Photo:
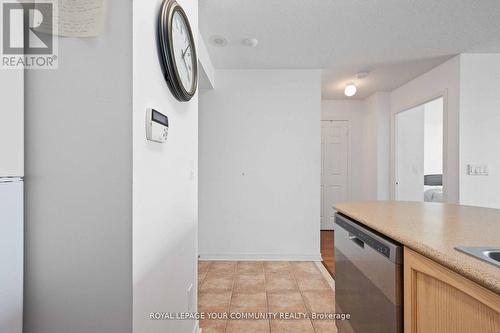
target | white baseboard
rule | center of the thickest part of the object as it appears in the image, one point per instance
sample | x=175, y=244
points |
x=197, y=328
x=259, y=257
x=326, y=275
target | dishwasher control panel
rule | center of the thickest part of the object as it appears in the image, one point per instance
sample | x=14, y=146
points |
x=363, y=237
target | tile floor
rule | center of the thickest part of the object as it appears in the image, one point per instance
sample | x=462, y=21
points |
x=278, y=286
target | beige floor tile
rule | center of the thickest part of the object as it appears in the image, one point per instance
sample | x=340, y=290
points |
x=214, y=301
x=305, y=267
x=201, y=277
x=324, y=326
x=280, y=281
x=244, y=302
x=223, y=267
x=215, y=281
x=246, y=267
x=203, y=266
x=276, y=266
x=226, y=286
x=319, y=301
x=303, y=275
x=289, y=301
x=213, y=326
x=250, y=283
x=291, y=326
x=247, y=326
x=313, y=283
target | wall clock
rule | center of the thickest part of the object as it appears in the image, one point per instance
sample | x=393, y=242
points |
x=177, y=51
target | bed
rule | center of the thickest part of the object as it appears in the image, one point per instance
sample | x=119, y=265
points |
x=433, y=188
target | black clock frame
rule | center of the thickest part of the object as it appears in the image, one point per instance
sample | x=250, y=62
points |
x=166, y=52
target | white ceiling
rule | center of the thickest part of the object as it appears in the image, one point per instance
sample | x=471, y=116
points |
x=396, y=40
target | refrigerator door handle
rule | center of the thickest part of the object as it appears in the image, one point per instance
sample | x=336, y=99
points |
x=11, y=179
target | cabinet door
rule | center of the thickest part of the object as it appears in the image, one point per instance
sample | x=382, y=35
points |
x=437, y=300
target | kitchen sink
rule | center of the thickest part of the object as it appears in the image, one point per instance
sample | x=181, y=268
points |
x=488, y=254
x=495, y=255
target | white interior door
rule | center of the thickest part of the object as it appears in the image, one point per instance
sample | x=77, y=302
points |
x=334, y=168
x=410, y=155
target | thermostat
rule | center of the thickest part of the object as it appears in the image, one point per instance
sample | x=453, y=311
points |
x=156, y=126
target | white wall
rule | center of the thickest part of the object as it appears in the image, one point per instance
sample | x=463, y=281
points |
x=78, y=186
x=442, y=80
x=468, y=85
x=433, y=137
x=259, y=194
x=409, y=154
x=206, y=69
x=369, y=149
x=353, y=112
x=479, y=128
x=376, y=147
x=369, y=120
x=164, y=187
x=111, y=219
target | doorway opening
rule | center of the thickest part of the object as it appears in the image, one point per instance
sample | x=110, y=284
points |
x=335, y=181
x=419, y=159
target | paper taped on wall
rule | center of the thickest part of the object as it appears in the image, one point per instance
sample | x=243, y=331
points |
x=77, y=18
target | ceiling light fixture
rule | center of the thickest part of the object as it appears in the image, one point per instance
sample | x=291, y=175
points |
x=218, y=41
x=350, y=90
x=250, y=42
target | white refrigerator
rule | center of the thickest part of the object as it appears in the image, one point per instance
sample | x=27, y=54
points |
x=11, y=200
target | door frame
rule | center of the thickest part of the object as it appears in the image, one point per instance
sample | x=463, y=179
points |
x=444, y=95
x=349, y=154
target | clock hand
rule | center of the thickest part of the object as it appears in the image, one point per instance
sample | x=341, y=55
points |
x=186, y=65
x=184, y=52
x=187, y=69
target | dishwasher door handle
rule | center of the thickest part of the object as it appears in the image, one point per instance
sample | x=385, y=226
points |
x=356, y=240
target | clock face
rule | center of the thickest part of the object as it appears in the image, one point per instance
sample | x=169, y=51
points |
x=177, y=51
x=182, y=45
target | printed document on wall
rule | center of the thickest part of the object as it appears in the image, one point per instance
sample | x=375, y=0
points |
x=77, y=18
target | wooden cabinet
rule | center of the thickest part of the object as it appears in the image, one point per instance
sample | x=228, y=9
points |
x=438, y=300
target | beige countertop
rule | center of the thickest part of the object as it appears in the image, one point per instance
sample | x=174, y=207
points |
x=434, y=230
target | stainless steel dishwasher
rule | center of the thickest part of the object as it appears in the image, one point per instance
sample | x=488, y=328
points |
x=368, y=279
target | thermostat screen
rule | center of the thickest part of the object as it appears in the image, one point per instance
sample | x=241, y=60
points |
x=159, y=118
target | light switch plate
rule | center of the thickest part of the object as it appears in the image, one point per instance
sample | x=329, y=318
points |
x=477, y=170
